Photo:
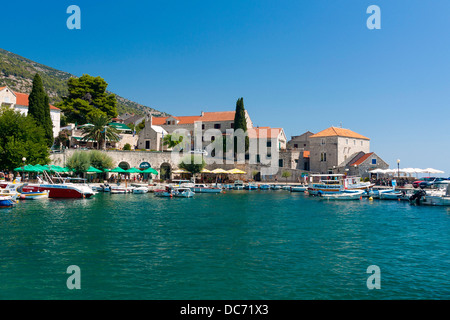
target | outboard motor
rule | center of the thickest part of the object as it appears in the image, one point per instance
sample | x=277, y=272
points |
x=417, y=196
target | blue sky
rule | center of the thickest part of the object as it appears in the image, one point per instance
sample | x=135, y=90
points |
x=300, y=65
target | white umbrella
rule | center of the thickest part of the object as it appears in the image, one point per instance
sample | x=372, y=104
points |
x=431, y=170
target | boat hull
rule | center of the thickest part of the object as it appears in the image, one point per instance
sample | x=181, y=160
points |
x=435, y=201
x=206, y=190
x=6, y=202
x=59, y=191
x=345, y=195
x=298, y=189
x=34, y=195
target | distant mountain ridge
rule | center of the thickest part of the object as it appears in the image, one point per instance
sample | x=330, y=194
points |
x=17, y=73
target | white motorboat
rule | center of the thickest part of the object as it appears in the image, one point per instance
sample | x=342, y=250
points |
x=118, y=189
x=203, y=188
x=183, y=192
x=11, y=190
x=34, y=195
x=344, y=195
x=375, y=194
x=179, y=192
x=298, y=188
x=438, y=197
x=251, y=186
x=335, y=183
x=393, y=195
x=238, y=185
x=140, y=190
x=275, y=187
x=68, y=188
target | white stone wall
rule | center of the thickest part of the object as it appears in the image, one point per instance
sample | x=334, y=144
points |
x=56, y=120
x=7, y=97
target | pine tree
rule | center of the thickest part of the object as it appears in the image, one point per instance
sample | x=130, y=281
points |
x=39, y=108
x=240, y=122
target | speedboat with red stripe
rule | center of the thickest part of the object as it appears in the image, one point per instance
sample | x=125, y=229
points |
x=67, y=189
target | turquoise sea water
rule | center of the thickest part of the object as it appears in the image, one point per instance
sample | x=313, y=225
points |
x=239, y=245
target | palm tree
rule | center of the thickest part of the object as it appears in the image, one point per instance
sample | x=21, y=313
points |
x=100, y=131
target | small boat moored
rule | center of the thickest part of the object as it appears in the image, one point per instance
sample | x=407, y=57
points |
x=344, y=195
x=34, y=195
x=140, y=190
x=238, y=185
x=7, y=202
x=298, y=188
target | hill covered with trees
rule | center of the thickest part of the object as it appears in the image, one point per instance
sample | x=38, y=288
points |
x=18, y=72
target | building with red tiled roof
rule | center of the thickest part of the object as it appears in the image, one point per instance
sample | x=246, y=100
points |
x=334, y=150
x=221, y=120
x=338, y=132
x=19, y=101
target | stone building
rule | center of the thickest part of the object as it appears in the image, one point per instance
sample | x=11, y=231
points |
x=150, y=138
x=362, y=164
x=126, y=136
x=334, y=150
x=19, y=101
x=334, y=147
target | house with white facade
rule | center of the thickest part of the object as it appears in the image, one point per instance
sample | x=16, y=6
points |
x=19, y=101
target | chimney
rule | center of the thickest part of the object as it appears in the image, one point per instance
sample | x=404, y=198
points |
x=202, y=113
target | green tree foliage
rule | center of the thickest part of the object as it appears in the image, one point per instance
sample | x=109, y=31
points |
x=100, y=160
x=79, y=162
x=87, y=97
x=240, y=122
x=140, y=126
x=172, y=140
x=286, y=174
x=127, y=147
x=39, y=108
x=21, y=137
x=99, y=129
x=192, y=163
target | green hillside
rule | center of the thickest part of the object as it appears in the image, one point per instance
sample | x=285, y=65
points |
x=17, y=73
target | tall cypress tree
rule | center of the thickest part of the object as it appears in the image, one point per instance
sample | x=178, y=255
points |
x=39, y=108
x=240, y=122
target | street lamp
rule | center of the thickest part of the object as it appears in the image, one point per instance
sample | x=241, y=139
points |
x=23, y=168
x=398, y=168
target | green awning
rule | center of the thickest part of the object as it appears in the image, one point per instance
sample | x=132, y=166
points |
x=119, y=126
x=93, y=170
x=81, y=139
x=150, y=170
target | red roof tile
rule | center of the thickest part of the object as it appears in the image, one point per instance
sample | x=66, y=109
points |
x=361, y=160
x=22, y=99
x=217, y=116
x=267, y=132
x=340, y=132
